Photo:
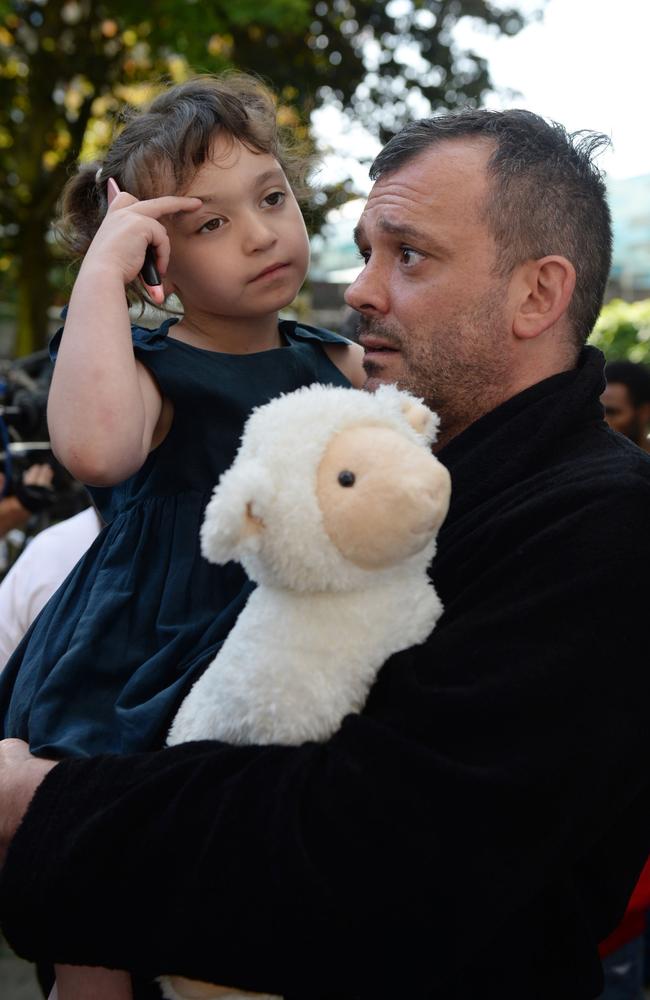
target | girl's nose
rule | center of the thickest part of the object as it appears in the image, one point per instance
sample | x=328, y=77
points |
x=259, y=236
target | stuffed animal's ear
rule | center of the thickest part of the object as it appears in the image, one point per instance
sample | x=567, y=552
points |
x=234, y=518
x=421, y=418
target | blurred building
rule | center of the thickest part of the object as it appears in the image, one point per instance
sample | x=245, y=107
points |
x=629, y=201
x=335, y=263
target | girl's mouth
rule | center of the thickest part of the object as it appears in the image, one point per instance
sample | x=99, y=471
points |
x=271, y=270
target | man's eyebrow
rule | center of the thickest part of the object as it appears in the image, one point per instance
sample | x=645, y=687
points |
x=358, y=234
x=402, y=230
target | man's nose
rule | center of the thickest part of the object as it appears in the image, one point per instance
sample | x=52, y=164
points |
x=369, y=292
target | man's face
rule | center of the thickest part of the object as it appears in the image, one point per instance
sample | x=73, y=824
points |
x=621, y=414
x=434, y=312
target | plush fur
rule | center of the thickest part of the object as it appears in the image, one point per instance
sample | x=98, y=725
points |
x=341, y=566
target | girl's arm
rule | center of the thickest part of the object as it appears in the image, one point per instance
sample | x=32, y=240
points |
x=104, y=406
x=348, y=358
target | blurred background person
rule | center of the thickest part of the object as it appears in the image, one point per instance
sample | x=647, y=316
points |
x=623, y=951
x=627, y=410
x=627, y=400
x=21, y=499
x=39, y=571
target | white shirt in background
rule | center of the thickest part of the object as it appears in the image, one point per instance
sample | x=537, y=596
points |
x=38, y=572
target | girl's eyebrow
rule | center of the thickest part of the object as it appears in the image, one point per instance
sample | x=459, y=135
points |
x=276, y=175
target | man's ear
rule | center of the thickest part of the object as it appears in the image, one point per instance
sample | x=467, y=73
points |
x=543, y=290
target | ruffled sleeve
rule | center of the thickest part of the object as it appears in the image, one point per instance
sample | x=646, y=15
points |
x=144, y=339
x=301, y=331
x=152, y=340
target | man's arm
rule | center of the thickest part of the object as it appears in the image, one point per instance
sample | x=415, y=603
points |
x=491, y=767
x=20, y=776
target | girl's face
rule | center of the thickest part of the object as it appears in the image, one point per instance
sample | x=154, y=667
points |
x=244, y=253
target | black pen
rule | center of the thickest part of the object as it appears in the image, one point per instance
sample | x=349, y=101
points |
x=149, y=272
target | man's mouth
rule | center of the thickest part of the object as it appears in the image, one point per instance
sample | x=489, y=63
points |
x=376, y=345
x=270, y=271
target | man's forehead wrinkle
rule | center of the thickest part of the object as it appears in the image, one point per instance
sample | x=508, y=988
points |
x=428, y=176
x=395, y=213
x=397, y=206
x=399, y=189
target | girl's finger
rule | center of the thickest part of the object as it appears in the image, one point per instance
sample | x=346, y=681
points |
x=155, y=292
x=167, y=205
x=118, y=199
x=112, y=191
x=153, y=207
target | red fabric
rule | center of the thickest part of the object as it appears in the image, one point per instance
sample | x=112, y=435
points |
x=633, y=922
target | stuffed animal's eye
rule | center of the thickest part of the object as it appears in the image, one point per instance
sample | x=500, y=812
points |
x=347, y=478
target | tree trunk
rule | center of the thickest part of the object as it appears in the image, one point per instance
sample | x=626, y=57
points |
x=33, y=290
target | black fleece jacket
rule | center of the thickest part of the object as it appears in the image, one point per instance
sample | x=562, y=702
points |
x=474, y=832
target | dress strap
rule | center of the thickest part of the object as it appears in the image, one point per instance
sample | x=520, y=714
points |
x=293, y=330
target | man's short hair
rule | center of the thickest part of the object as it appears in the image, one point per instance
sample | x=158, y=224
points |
x=635, y=377
x=547, y=196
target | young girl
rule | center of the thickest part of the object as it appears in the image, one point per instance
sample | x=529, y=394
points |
x=150, y=418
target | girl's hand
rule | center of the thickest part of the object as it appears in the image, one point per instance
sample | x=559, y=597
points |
x=128, y=228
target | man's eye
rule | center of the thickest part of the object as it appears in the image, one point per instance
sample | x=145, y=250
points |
x=275, y=198
x=364, y=254
x=410, y=256
x=211, y=225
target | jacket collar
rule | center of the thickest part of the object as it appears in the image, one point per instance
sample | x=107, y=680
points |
x=513, y=441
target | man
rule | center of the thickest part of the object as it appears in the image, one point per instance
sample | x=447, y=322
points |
x=627, y=400
x=30, y=495
x=39, y=570
x=477, y=829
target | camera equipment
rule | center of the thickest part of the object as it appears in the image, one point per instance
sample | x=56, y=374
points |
x=24, y=386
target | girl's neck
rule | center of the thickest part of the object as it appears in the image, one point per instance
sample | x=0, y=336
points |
x=229, y=335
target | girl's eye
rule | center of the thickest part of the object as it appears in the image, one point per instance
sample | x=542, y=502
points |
x=211, y=225
x=275, y=198
x=409, y=256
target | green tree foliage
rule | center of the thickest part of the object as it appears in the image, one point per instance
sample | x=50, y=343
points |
x=623, y=331
x=377, y=59
x=67, y=66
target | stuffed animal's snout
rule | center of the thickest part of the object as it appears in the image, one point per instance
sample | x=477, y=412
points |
x=382, y=497
x=425, y=496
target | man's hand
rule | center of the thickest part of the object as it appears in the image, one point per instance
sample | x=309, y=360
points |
x=20, y=776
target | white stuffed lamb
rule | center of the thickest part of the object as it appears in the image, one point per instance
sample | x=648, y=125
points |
x=332, y=505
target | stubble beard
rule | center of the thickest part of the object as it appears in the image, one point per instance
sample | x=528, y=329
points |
x=461, y=372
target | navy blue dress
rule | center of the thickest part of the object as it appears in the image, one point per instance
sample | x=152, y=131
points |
x=107, y=662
